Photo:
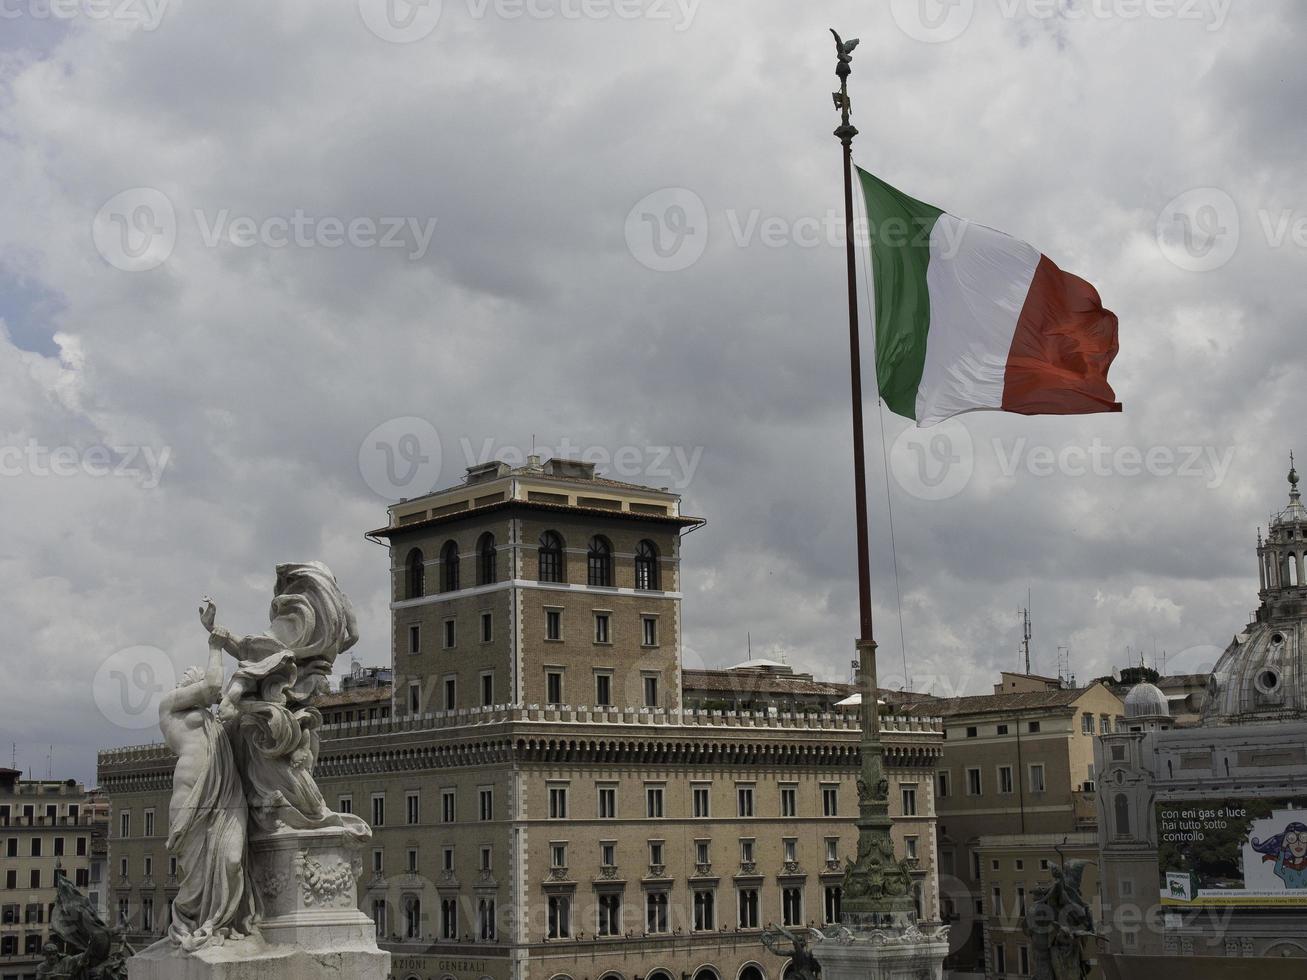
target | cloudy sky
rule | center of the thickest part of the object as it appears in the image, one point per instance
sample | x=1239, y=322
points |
x=244, y=244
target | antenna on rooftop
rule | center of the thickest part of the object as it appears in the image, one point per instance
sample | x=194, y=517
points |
x=1064, y=674
x=1025, y=631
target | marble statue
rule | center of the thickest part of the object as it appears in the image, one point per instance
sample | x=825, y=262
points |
x=267, y=871
x=1059, y=923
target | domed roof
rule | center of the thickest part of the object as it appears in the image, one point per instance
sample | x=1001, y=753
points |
x=1146, y=701
x=1260, y=674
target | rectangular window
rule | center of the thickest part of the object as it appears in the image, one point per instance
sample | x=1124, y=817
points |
x=746, y=850
x=942, y=780
x=704, y=911
x=909, y=794
x=607, y=802
x=149, y=823
x=486, y=919
x=1037, y=777
x=449, y=918
x=834, y=899
x=553, y=624
x=748, y=908
x=610, y=914
x=1087, y=724
x=414, y=697
x=649, y=631
x=830, y=801
x=790, y=850
x=789, y=801
x=792, y=906
x=415, y=638
x=653, y=800
x=448, y=806
x=36, y=847
x=1005, y=779
x=411, y=808
x=972, y=731
x=560, y=917
x=125, y=824
x=996, y=901
x=656, y=853
x=650, y=690
x=701, y=797
x=910, y=847
x=1002, y=729
x=345, y=804
x=701, y=852
x=656, y=912
x=487, y=627
x=1000, y=958
x=378, y=810
x=447, y=858
x=604, y=690
x=554, y=686
x=451, y=693
x=602, y=628
x=487, y=689
x=832, y=850
x=973, y=782
x=744, y=800
x=487, y=857
x=608, y=854
x=486, y=803
x=558, y=854
x=557, y=802
x=1033, y=728
x=449, y=634
x=412, y=860
x=81, y=847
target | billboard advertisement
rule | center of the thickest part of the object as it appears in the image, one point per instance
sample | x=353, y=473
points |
x=1237, y=852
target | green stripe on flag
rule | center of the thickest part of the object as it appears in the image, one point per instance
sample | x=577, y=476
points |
x=900, y=253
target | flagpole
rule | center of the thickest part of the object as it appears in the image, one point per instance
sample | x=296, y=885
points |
x=877, y=889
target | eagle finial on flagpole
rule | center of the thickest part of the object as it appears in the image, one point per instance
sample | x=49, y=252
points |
x=843, y=67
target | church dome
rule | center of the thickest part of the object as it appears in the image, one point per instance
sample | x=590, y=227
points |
x=1146, y=701
x=1262, y=675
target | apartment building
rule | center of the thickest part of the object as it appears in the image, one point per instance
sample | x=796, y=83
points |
x=48, y=829
x=1017, y=772
x=545, y=805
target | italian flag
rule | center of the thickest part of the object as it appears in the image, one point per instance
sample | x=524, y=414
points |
x=969, y=319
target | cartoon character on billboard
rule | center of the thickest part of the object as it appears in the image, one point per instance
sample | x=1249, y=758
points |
x=1288, y=849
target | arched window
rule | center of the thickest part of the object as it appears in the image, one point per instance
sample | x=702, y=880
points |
x=600, y=562
x=1121, y=809
x=752, y=972
x=646, y=565
x=551, y=558
x=486, y=559
x=449, y=567
x=415, y=574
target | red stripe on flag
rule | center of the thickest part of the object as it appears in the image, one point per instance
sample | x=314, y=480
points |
x=1062, y=348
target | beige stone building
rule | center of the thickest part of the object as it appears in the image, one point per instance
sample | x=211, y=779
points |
x=47, y=828
x=543, y=805
x=1018, y=766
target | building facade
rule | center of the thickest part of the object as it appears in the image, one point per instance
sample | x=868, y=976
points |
x=48, y=828
x=543, y=805
x=1246, y=759
x=1017, y=772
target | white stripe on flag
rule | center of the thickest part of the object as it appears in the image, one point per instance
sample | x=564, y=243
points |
x=978, y=279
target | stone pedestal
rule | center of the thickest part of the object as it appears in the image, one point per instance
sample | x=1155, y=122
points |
x=311, y=926
x=883, y=954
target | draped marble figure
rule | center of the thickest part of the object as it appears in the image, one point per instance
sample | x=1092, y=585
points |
x=246, y=751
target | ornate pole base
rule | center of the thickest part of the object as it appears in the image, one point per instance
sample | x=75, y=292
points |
x=896, y=953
